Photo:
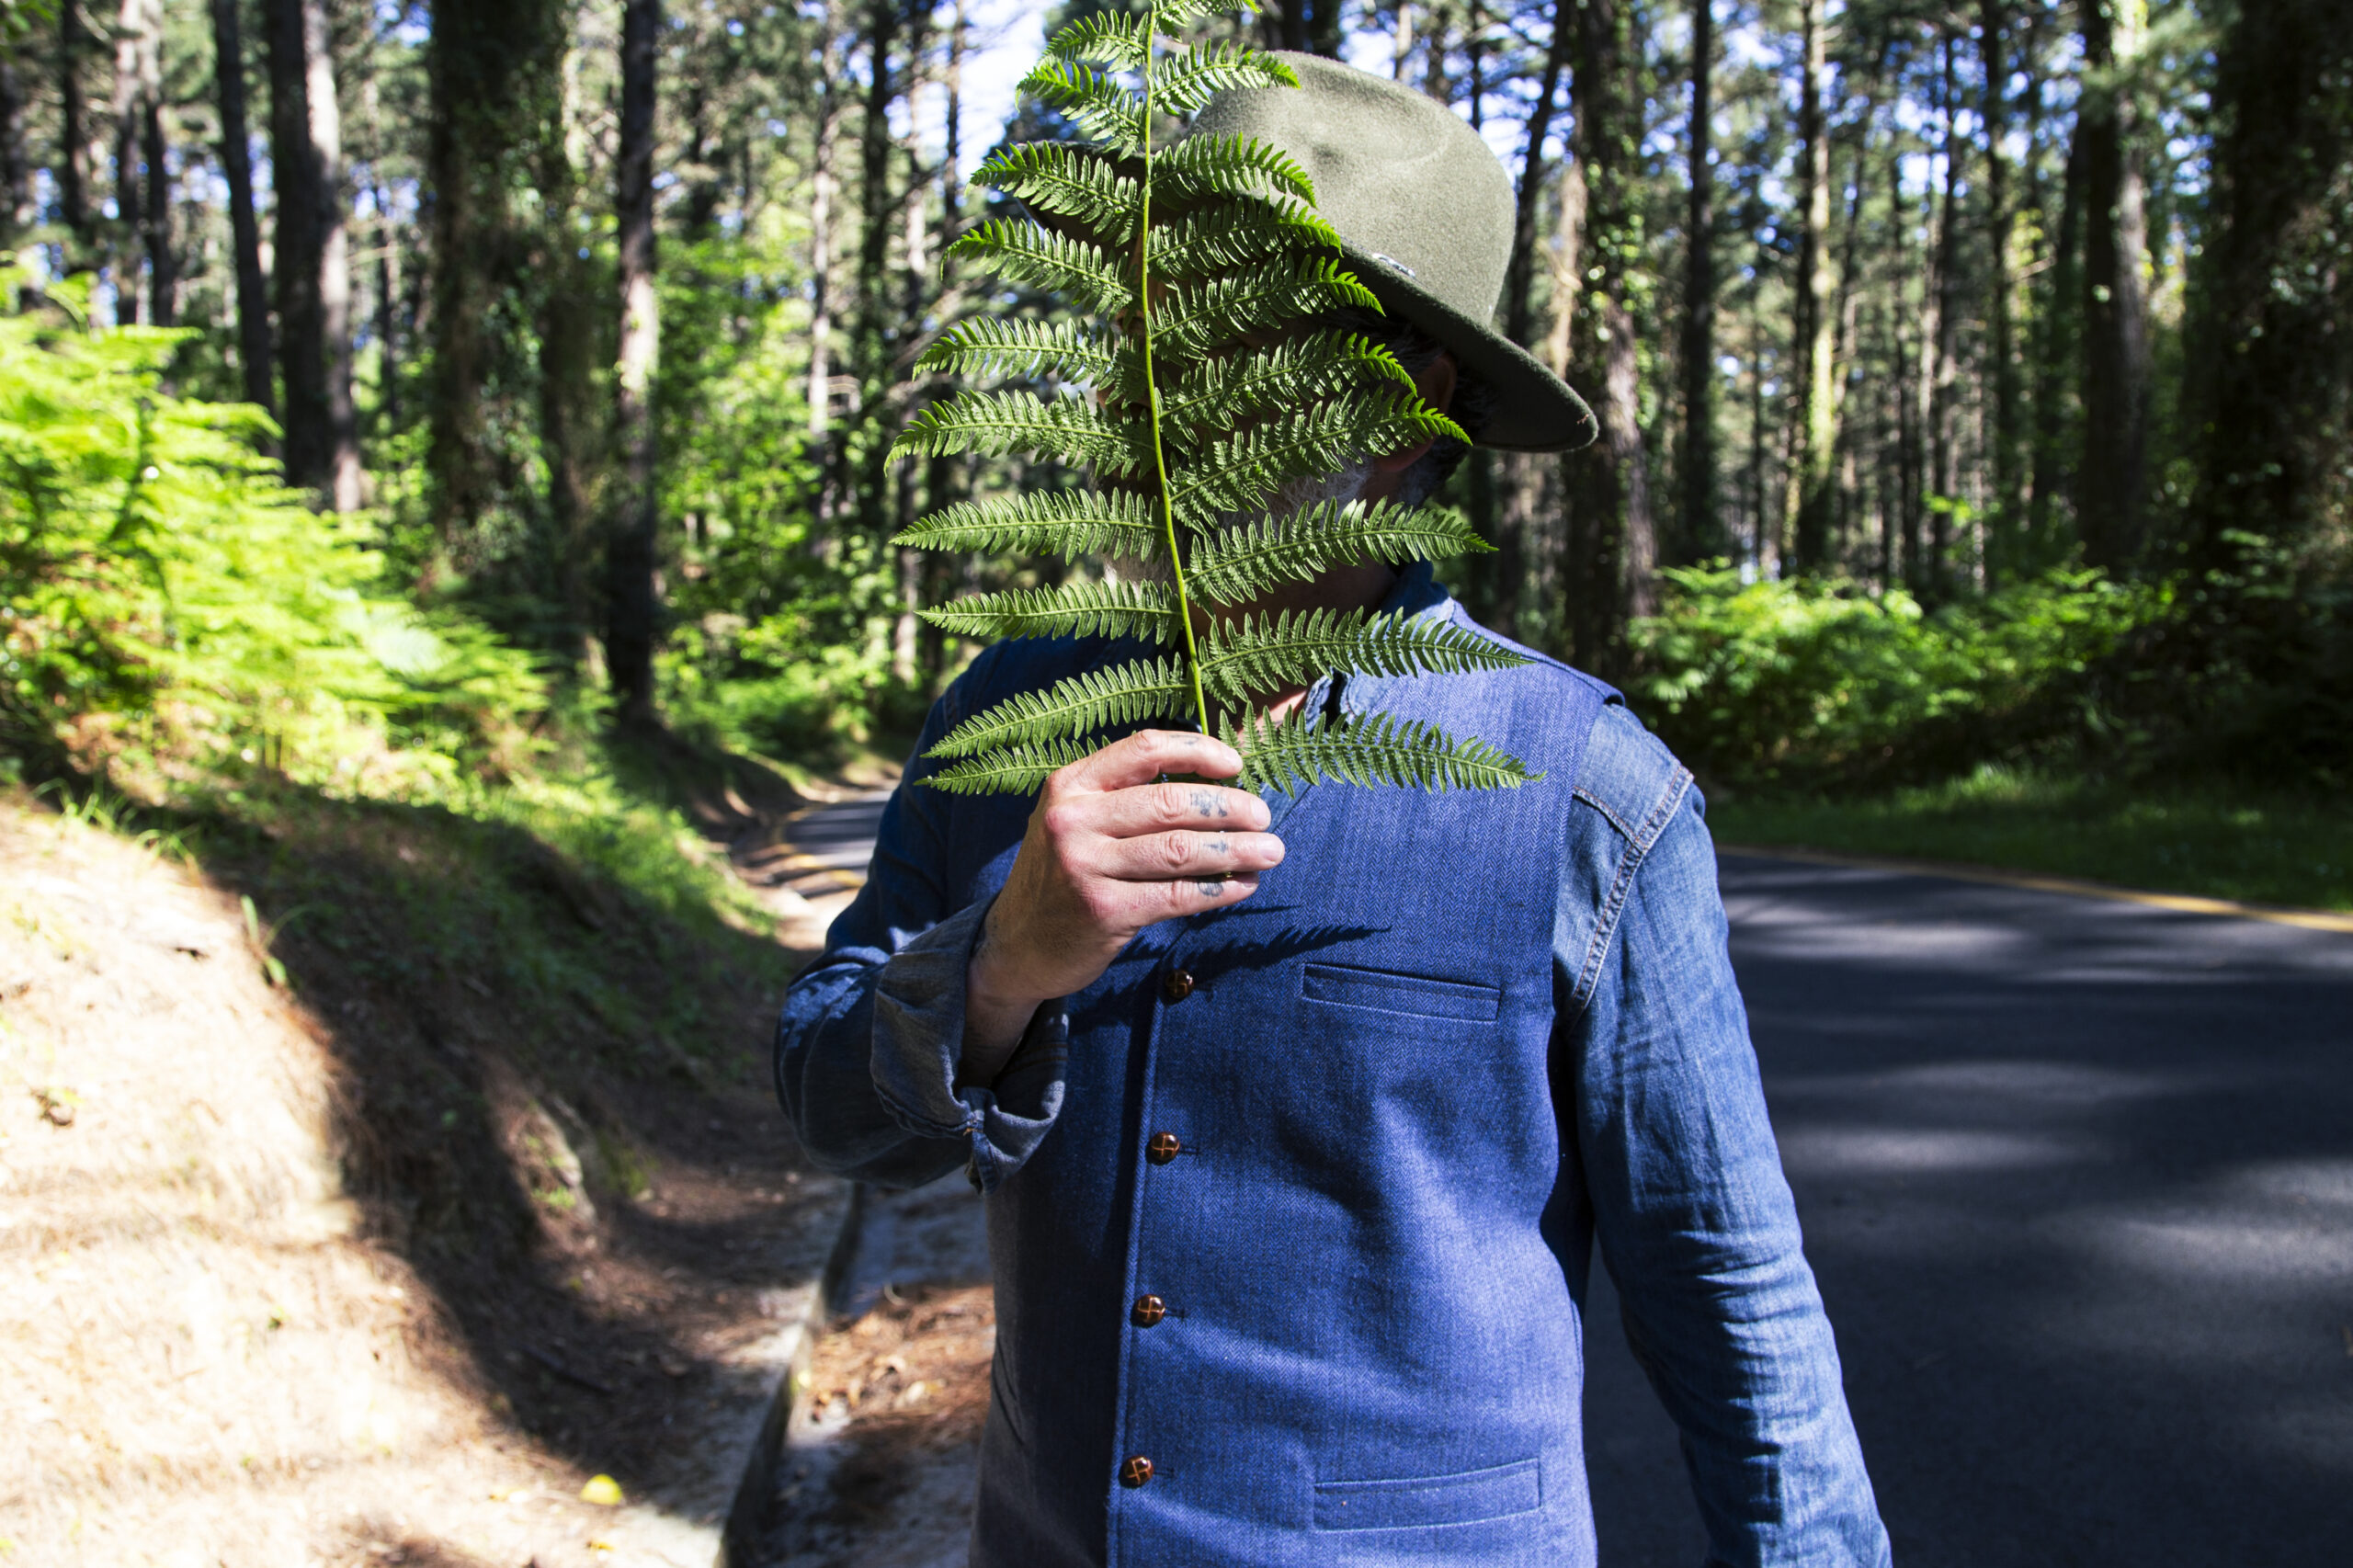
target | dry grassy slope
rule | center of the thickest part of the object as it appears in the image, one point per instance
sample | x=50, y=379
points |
x=213, y=1355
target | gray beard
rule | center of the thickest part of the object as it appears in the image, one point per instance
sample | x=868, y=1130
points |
x=1293, y=496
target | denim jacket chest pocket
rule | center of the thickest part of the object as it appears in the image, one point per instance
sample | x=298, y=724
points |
x=1405, y=995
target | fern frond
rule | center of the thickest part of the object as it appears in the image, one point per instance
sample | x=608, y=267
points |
x=1000, y=423
x=1233, y=564
x=1199, y=317
x=992, y=346
x=1225, y=392
x=1079, y=183
x=1176, y=13
x=1077, y=610
x=1238, y=472
x=1027, y=254
x=1218, y=239
x=1202, y=166
x=1123, y=41
x=1184, y=81
x=1268, y=654
x=1068, y=523
x=1155, y=688
x=1375, y=749
x=1111, y=115
x=1016, y=770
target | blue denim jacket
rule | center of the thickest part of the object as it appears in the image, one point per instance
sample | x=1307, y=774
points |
x=1637, y=1123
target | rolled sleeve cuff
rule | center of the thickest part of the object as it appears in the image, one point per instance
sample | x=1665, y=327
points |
x=919, y=1041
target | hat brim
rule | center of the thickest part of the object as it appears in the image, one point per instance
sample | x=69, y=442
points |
x=1535, y=411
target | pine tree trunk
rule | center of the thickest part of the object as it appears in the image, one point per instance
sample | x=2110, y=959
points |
x=567, y=353
x=1701, y=535
x=130, y=23
x=245, y=229
x=824, y=188
x=872, y=337
x=15, y=174
x=635, y=594
x=309, y=259
x=1943, y=383
x=1612, y=548
x=2111, y=482
x=2055, y=357
x=74, y=141
x=2008, y=502
x=163, y=262
x=2272, y=352
x=1814, y=431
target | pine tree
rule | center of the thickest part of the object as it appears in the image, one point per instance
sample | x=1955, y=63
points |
x=1193, y=268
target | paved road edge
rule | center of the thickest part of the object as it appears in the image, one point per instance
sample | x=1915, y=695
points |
x=1961, y=871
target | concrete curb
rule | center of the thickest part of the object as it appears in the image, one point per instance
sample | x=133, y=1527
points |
x=2036, y=881
x=739, y=1538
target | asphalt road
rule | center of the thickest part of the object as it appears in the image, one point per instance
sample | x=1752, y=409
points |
x=2076, y=1176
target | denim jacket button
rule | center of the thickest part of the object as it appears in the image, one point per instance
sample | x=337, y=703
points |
x=1136, y=1472
x=1149, y=1310
x=1176, y=984
x=1162, y=1148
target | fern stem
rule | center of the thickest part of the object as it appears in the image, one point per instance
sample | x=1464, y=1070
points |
x=1151, y=386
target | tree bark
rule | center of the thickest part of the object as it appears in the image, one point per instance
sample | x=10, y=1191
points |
x=163, y=262
x=2002, y=554
x=129, y=30
x=567, y=353
x=311, y=261
x=2272, y=352
x=1521, y=480
x=245, y=229
x=15, y=174
x=2111, y=482
x=1942, y=385
x=1701, y=536
x=74, y=141
x=1814, y=431
x=634, y=591
x=1613, y=551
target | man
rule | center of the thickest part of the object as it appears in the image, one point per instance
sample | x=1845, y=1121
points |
x=1299, y=1119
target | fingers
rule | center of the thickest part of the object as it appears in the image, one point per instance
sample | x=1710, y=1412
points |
x=1155, y=808
x=1143, y=756
x=1183, y=855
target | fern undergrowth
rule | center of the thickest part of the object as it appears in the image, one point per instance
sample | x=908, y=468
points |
x=1196, y=267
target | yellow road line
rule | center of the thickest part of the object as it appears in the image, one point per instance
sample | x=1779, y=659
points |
x=2184, y=903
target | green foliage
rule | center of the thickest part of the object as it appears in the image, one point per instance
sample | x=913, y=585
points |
x=162, y=598
x=1813, y=682
x=1193, y=267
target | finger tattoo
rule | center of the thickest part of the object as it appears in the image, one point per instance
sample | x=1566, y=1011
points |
x=1210, y=803
x=1211, y=886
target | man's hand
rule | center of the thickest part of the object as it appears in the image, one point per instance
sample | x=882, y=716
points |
x=1108, y=852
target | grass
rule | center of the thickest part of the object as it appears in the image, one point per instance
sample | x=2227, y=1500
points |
x=2277, y=846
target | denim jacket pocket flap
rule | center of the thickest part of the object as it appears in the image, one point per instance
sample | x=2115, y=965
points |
x=1412, y=994
x=1430, y=1499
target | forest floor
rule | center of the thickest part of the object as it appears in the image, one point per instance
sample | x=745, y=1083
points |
x=387, y=1185
x=2281, y=849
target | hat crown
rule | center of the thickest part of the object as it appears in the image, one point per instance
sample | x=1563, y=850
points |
x=1402, y=177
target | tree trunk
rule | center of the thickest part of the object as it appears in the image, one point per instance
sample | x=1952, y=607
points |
x=872, y=337
x=1701, y=536
x=1943, y=384
x=311, y=261
x=244, y=230
x=162, y=263
x=1520, y=480
x=2273, y=354
x=567, y=356
x=635, y=594
x=129, y=30
x=2008, y=502
x=15, y=173
x=2056, y=348
x=74, y=141
x=1612, y=548
x=1814, y=431
x=2111, y=482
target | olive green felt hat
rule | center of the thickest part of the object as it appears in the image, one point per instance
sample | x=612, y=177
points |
x=1425, y=214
